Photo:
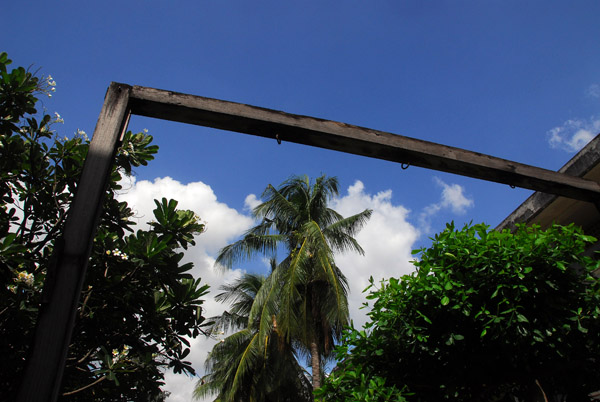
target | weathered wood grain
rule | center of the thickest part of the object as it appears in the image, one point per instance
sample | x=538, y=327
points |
x=356, y=140
x=45, y=366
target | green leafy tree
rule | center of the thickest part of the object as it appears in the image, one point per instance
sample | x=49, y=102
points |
x=139, y=303
x=306, y=292
x=238, y=367
x=487, y=316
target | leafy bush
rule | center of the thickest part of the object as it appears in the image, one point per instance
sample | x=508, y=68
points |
x=486, y=316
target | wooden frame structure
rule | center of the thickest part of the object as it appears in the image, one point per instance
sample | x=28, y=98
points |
x=62, y=289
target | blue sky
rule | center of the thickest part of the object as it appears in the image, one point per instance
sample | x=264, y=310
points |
x=517, y=80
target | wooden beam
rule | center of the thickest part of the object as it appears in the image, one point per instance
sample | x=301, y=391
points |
x=62, y=288
x=343, y=137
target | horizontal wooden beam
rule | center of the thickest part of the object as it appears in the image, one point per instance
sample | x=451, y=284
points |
x=343, y=137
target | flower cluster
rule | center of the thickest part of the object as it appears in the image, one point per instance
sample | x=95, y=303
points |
x=117, y=355
x=47, y=86
x=128, y=150
x=51, y=83
x=24, y=277
x=117, y=253
x=81, y=134
x=57, y=118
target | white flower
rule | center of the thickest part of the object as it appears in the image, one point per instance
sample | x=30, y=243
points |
x=145, y=131
x=24, y=277
x=82, y=134
x=117, y=253
x=58, y=118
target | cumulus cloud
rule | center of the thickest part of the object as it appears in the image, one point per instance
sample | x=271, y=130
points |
x=573, y=134
x=387, y=240
x=223, y=225
x=452, y=198
x=222, y=222
x=251, y=202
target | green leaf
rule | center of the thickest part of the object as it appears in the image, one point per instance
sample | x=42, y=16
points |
x=522, y=318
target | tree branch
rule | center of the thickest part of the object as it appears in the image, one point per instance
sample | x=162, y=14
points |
x=85, y=387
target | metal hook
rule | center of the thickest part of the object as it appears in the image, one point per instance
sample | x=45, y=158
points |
x=278, y=139
x=405, y=166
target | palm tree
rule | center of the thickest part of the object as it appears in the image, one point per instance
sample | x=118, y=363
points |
x=240, y=368
x=305, y=297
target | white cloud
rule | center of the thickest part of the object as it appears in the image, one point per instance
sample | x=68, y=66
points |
x=573, y=134
x=223, y=224
x=387, y=240
x=593, y=91
x=452, y=198
x=251, y=202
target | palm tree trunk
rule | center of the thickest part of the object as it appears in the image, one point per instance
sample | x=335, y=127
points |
x=315, y=360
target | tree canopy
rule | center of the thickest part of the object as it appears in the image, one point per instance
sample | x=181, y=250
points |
x=239, y=367
x=302, y=304
x=139, y=303
x=487, y=316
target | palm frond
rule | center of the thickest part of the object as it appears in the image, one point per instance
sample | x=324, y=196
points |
x=324, y=258
x=240, y=295
x=302, y=301
x=293, y=276
x=245, y=248
x=221, y=364
x=266, y=306
x=226, y=322
x=247, y=361
x=340, y=234
x=276, y=207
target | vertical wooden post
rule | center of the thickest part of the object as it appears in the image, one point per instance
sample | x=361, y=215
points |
x=62, y=288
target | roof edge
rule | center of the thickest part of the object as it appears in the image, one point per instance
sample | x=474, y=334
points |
x=579, y=165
